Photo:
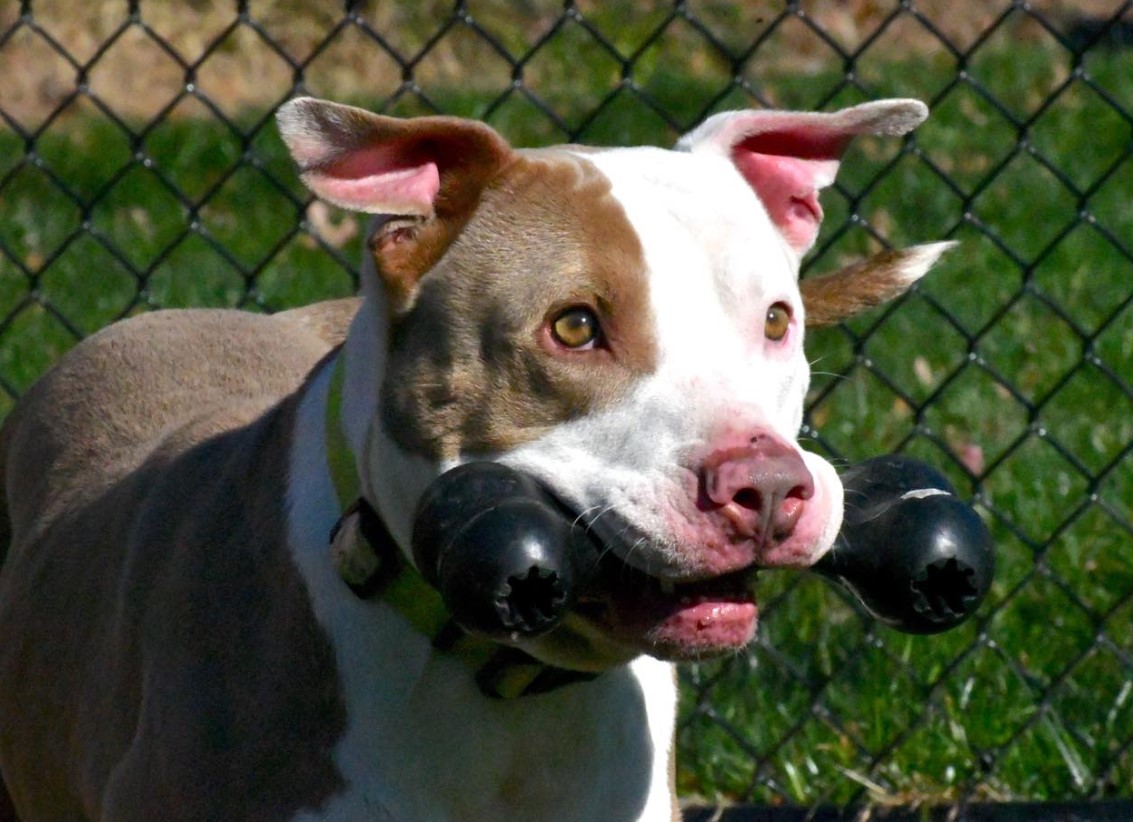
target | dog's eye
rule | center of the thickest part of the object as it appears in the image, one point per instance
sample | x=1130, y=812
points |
x=777, y=322
x=576, y=328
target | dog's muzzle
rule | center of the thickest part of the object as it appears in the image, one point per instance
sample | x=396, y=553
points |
x=510, y=561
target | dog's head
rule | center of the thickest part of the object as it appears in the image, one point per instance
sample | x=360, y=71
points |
x=625, y=325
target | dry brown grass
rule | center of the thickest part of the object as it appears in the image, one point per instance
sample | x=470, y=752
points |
x=137, y=77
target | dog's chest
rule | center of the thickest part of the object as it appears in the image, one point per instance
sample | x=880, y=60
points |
x=588, y=752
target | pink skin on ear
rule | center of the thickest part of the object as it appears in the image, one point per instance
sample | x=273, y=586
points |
x=787, y=169
x=377, y=179
x=786, y=157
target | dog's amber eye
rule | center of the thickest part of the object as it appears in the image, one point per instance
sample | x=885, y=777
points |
x=777, y=322
x=576, y=327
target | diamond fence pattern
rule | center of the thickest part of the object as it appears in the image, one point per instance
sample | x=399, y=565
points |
x=139, y=169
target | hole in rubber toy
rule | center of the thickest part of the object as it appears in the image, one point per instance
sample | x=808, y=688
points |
x=945, y=590
x=533, y=601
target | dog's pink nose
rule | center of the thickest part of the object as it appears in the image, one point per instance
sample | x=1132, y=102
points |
x=760, y=488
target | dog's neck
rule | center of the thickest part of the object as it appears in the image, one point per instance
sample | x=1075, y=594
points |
x=365, y=357
x=404, y=475
x=375, y=563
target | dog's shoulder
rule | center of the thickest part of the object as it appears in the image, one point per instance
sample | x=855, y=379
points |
x=163, y=380
x=328, y=320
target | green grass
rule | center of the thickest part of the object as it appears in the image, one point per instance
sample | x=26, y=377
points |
x=1031, y=699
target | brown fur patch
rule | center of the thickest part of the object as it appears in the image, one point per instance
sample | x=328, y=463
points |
x=472, y=369
x=842, y=294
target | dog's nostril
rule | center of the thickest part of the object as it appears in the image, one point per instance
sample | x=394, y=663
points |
x=748, y=498
x=786, y=517
x=803, y=492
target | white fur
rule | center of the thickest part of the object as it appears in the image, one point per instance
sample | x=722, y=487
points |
x=923, y=257
x=721, y=131
x=392, y=479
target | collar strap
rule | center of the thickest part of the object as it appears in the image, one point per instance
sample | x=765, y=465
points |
x=372, y=565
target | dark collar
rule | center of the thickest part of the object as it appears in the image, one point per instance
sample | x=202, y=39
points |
x=370, y=562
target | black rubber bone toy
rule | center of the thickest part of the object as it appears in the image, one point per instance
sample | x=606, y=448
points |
x=912, y=553
x=509, y=561
x=506, y=559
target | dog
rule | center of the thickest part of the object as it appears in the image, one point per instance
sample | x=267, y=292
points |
x=625, y=325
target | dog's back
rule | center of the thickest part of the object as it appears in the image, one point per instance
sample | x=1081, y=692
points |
x=122, y=430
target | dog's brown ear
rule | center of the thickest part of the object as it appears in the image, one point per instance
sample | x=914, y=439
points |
x=831, y=298
x=425, y=174
x=788, y=156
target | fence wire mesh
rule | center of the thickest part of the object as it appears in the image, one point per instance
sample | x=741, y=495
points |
x=139, y=168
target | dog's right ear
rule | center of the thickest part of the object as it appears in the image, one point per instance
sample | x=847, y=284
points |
x=425, y=174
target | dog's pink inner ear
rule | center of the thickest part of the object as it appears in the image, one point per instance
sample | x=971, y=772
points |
x=786, y=169
x=379, y=179
x=422, y=167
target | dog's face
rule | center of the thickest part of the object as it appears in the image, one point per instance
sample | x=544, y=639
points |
x=625, y=325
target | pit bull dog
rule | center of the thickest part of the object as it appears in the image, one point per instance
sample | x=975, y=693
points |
x=178, y=638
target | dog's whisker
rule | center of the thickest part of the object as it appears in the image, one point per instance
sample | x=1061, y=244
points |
x=593, y=520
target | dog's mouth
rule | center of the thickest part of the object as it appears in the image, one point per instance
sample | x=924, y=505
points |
x=665, y=616
x=671, y=619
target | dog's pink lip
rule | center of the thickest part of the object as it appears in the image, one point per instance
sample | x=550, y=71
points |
x=675, y=619
x=704, y=628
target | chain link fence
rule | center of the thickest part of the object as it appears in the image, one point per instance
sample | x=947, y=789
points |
x=139, y=168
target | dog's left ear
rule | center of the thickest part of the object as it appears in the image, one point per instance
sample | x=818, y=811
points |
x=788, y=156
x=424, y=174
